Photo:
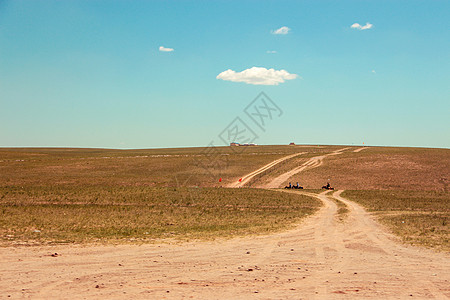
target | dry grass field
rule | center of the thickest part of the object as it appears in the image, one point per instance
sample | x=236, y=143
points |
x=153, y=167
x=384, y=168
x=156, y=224
x=78, y=195
x=418, y=217
x=407, y=189
x=98, y=195
x=56, y=214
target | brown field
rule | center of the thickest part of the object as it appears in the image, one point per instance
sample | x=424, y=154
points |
x=154, y=167
x=384, y=168
x=418, y=217
x=79, y=188
x=67, y=214
x=146, y=223
x=101, y=195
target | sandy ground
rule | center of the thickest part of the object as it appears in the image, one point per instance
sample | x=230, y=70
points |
x=321, y=258
x=359, y=149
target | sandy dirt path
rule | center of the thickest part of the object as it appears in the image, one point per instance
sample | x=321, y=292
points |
x=321, y=258
x=249, y=176
x=313, y=162
x=360, y=149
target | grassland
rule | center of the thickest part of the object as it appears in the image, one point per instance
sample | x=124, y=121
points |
x=78, y=195
x=285, y=166
x=418, y=217
x=65, y=214
x=154, y=167
x=383, y=168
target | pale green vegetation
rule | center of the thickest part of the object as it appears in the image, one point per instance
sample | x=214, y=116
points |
x=152, y=167
x=84, y=195
x=101, y=195
x=74, y=214
x=418, y=217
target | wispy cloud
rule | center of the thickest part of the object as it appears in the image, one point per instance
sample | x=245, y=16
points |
x=360, y=27
x=373, y=71
x=257, y=76
x=271, y=51
x=281, y=30
x=164, y=49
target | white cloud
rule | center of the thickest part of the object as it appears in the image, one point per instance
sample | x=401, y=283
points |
x=257, y=76
x=373, y=71
x=271, y=51
x=282, y=30
x=164, y=49
x=359, y=27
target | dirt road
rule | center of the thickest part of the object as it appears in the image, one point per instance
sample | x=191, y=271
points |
x=249, y=176
x=322, y=258
x=313, y=162
x=359, y=149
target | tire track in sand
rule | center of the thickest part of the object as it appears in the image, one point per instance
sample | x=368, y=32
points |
x=399, y=255
x=360, y=149
x=249, y=176
x=321, y=258
x=313, y=162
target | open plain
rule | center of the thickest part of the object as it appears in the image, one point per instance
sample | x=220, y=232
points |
x=159, y=224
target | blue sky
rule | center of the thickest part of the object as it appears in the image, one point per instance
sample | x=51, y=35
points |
x=91, y=73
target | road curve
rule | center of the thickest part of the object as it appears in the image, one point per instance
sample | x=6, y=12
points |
x=360, y=149
x=245, y=179
x=313, y=162
x=321, y=258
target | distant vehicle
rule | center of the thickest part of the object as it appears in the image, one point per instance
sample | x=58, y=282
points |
x=328, y=187
x=296, y=187
x=246, y=144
